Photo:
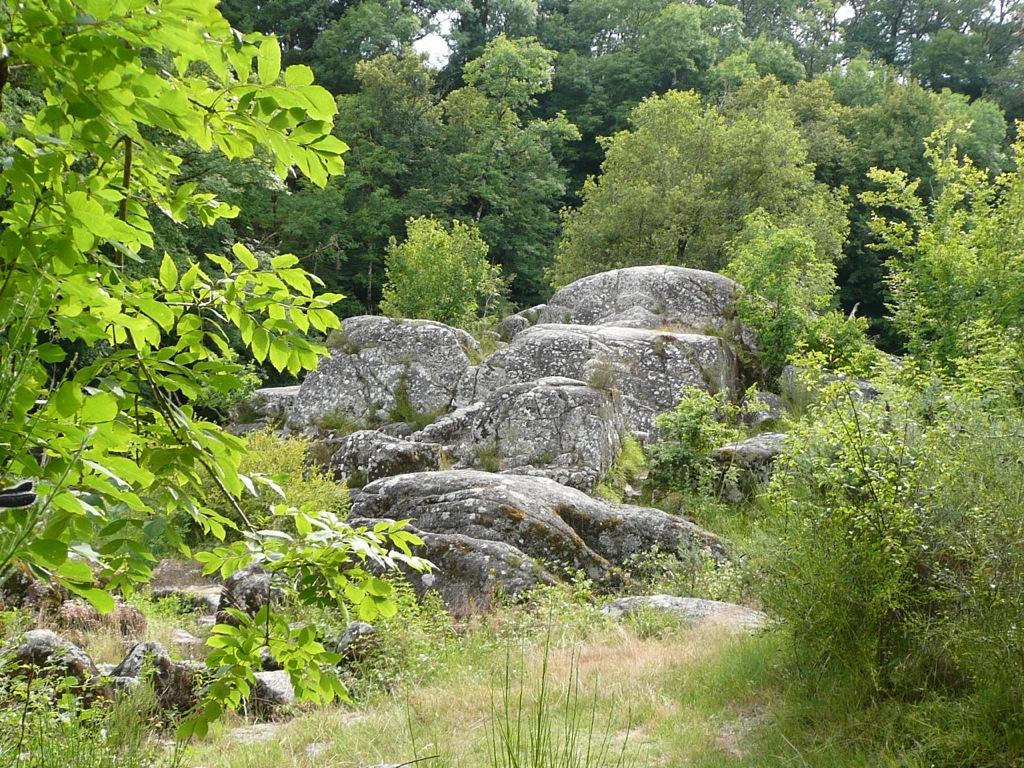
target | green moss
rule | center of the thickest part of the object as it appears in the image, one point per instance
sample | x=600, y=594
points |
x=405, y=412
x=629, y=469
x=488, y=459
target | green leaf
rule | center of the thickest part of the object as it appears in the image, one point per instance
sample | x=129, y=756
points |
x=99, y=409
x=269, y=60
x=298, y=75
x=100, y=600
x=67, y=399
x=279, y=354
x=50, y=353
x=245, y=256
x=168, y=273
x=51, y=552
x=75, y=570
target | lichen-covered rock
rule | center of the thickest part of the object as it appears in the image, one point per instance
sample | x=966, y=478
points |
x=691, y=610
x=173, y=682
x=554, y=427
x=369, y=455
x=654, y=297
x=247, y=590
x=763, y=408
x=45, y=651
x=747, y=464
x=648, y=367
x=559, y=526
x=515, y=510
x=379, y=367
x=21, y=590
x=473, y=575
x=184, y=581
x=267, y=408
x=272, y=691
x=356, y=640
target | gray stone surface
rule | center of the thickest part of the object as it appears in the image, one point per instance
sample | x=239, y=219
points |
x=472, y=575
x=43, y=649
x=654, y=297
x=184, y=581
x=272, y=691
x=370, y=455
x=747, y=464
x=691, y=610
x=246, y=590
x=554, y=427
x=173, y=682
x=268, y=407
x=559, y=526
x=647, y=367
x=374, y=359
x=356, y=639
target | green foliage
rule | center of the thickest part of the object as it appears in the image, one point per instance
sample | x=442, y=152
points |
x=272, y=464
x=105, y=355
x=44, y=724
x=628, y=469
x=554, y=728
x=326, y=564
x=899, y=522
x=115, y=423
x=786, y=286
x=676, y=188
x=957, y=270
x=789, y=289
x=700, y=423
x=440, y=275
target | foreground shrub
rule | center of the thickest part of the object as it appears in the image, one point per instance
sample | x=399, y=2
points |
x=900, y=555
x=279, y=467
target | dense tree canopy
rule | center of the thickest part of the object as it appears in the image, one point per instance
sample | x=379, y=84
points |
x=676, y=189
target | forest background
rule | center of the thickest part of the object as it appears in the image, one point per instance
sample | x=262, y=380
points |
x=534, y=99
x=866, y=143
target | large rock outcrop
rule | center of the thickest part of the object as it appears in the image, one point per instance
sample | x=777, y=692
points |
x=553, y=527
x=689, y=301
x=472, y=575
x=379, y=368
x=647, y=367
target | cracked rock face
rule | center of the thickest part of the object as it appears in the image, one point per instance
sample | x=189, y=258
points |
x=552, y=528
x=648, y=368
x=654, y=297
x=379, y=364
x=554, y=427
x=473, y=575
x=372, y=455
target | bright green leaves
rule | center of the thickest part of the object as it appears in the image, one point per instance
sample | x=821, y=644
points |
x=104, y=353
x=168, y=274
x=440, y=275
x=269, y=59
x=324, y=564
x=956, y=274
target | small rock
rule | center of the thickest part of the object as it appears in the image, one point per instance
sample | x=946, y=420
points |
x=49, y=654
x=370, y=455
x=181, y=637
x=248, y=590
x=747, y=464
x=273, y=690
x=689, y=609
x=174, y=682
x=356, y=639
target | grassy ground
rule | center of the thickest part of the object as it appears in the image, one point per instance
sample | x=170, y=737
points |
x=677, y=697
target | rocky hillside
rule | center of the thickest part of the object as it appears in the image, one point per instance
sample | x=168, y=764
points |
x=493, y=455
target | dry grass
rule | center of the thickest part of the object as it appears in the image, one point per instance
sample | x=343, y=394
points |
x=631, y=683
